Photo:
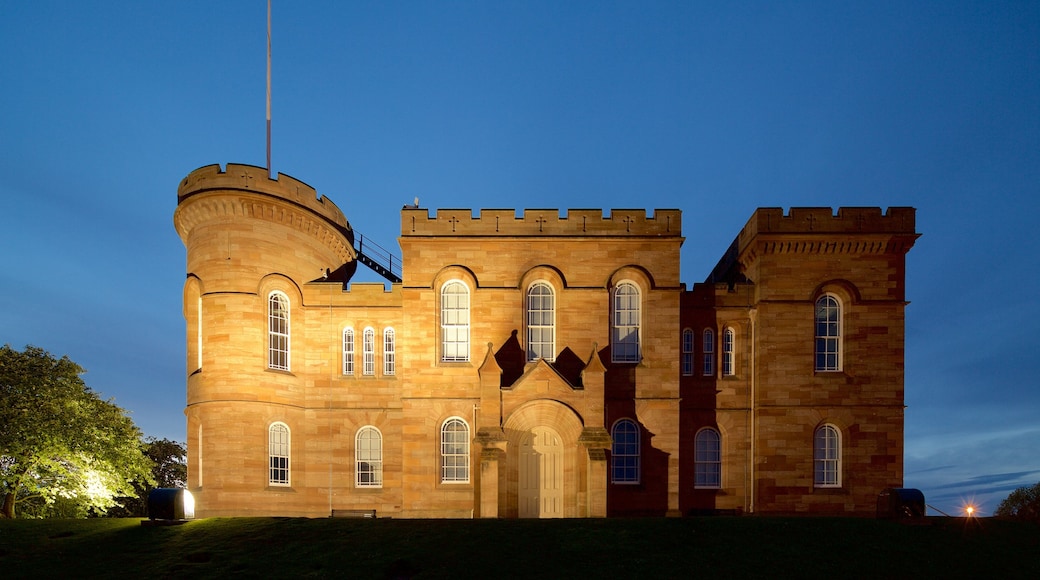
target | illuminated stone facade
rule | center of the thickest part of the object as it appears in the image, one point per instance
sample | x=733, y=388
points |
x=535, y=365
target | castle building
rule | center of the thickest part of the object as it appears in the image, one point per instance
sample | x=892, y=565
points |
x=536, y=365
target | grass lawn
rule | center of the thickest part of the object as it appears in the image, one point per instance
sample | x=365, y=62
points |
x=628, y=548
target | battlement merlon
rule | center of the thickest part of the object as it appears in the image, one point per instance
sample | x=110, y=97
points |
x=249, y=178
x=823, y=220
x=541, y=223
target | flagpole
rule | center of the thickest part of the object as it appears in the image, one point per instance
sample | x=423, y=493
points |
x=268, y=88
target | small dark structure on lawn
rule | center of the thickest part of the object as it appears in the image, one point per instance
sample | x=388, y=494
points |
x=171, y=503
x=897, y=503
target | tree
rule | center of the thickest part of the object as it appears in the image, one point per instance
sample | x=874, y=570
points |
x=1023, y=504
x=169, y=469
x=63, y=449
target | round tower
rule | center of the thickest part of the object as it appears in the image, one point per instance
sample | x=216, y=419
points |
x=252, y=245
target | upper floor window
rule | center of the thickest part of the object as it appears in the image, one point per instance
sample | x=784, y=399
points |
x=348, y=351
x=278, y=331
x=454, y=322
x=624, y=453
x=728, y=346
x=687, y=352
x=624, y=337
x=454, y=451
x=541, y=322
x=368, y=455
x=278, y=453
x=707, y=459
x=827, y=457
x=389, y=354
x=828, y=333
x=368, y=352
x=708, y=352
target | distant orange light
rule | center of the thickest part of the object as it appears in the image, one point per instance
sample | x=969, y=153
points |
x=971, y=510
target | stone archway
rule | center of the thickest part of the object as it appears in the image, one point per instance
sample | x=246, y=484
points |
x=545, y=464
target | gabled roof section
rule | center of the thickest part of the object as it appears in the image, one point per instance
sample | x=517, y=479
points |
x=543, y=378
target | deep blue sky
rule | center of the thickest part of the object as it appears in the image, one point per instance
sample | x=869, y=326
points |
x=715, y=108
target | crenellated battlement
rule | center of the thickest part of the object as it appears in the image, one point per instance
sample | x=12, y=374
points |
x=249, y=178
x=540, y=222
x=823, y=220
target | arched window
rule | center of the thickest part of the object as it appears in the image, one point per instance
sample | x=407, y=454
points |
x=454, y=451
x=708, y=352
x=728, y=346
x=389, y=352
x=707, y=459
x=454, y=322
x=368, y=455
x=541, y=322
x=828, y=333
x=827, y=457
x=624, y=337
x=278, y=331
x=687, y=352
x=348, y=351
x=278, y=450
x=368, y=352
x=624, y=455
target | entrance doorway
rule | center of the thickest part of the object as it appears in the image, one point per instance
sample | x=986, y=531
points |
x=541, y=474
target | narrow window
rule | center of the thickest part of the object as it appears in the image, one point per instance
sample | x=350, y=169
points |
x=827, y=457
x=454, y=451
x=707, y=459
x=368, y=453
x=278, y=331
x=348, y=351
x=624, y=454
x=708, y=351
x=727, y=352
x=454, y=322
x=368, y=352
x=828, y=334
x=624, y=338
x=541, y=323
x=389, y=360
x=198, y=332
x=278, y=452
x=687, y=352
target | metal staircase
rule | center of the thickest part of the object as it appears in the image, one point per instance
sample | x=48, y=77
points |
x=377, y=258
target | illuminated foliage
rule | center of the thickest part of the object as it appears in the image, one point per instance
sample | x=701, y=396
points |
x=64, y=451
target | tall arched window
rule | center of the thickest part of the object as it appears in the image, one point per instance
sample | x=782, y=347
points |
x=827, y=457
x=368, y=352
x=278, y=331
x=728, y=346
x=454, y=322
x=348, y=351
x=368, y=455
x=687, y=352
x=541, y=322
x=708, y=352
x=278, y=451
x=707, y=459
x=454, y=451
x=828, y=333
x=389, y=352
x=624, y=454
x=624, y=337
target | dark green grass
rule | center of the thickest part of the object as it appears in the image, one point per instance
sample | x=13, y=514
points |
x=627, y=548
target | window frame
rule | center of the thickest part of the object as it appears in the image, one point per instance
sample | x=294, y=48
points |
x=368, y=352
x=708, y=352
x=729, y=347
x=279, y=331
x=625, y=322
x=389, y=352
x=348, y=351
x=368, y=455
x=279, y=455
x=625, y=453
x=455, y=451
x=707, y=460
x=686, y=360
x=455, y=321
x=827, y=452
x=828, y=346
x=546, y=348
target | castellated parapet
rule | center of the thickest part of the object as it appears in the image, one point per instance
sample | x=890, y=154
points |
x=541, y=223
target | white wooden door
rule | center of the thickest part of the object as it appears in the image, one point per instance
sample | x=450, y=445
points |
x=541, y=474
